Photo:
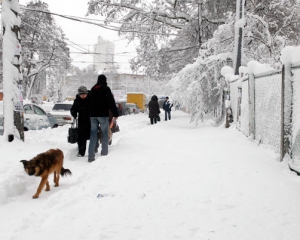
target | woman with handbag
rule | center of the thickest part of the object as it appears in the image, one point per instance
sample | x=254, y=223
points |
x=154, y=110
x=81, y=110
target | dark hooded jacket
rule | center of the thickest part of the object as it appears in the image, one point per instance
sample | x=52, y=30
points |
x=102, y=100
x=81, y=110
x=167, y=106
x=153, y=107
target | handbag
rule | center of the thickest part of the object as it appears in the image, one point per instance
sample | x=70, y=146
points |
x=115, y=127
x=158, y=118
x=73, y=132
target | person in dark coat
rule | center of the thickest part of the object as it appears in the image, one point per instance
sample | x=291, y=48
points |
x=81, y=110
x=101, y=101
x=167, y=106
x=153, y=109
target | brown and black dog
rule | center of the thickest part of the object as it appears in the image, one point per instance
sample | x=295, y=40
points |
x=43, y=165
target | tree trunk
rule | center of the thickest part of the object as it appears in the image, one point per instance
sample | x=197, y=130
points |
x=238, y=36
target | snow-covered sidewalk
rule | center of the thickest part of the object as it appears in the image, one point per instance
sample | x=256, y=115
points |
x=168, y=181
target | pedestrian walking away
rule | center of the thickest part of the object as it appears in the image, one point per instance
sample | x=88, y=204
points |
x=101, y=101
x=154, y=110
x=80, y=109
x=167, y=106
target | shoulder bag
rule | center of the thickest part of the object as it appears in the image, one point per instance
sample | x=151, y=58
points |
x=73, y=132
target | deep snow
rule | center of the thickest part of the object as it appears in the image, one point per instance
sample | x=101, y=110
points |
x=171, y=180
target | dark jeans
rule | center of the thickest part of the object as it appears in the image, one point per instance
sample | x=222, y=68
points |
x=95, y=121
x=153, y=120
x=81, y=142
x=167, y=115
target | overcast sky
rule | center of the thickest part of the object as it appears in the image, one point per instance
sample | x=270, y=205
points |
x=85, y=34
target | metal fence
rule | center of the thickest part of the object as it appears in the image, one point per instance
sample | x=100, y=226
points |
x=295, y=113
x=243, y=120
x=267, y=106
x=256, y=105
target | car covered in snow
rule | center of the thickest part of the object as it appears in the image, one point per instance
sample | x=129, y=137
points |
x=35, y=118
x=61, y=111
x=131, y=108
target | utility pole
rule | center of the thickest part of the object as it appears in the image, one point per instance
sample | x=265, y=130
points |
x=200, y=3
x=12, y=71
x=239, y=27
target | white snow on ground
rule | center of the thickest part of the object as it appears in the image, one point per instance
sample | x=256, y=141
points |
x=168, y=181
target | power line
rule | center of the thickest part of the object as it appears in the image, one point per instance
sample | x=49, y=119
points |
x=92, y=53
x=83, y=18
x=77, y=46
x=47, y=33
x=99, y=62
x=113, y=28
x=103, y=43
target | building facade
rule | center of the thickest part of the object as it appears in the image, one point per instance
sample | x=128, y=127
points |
x=103, y=58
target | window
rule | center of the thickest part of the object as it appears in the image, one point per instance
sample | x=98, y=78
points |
x=39, y=111
x=28, y=109
x=65, y=107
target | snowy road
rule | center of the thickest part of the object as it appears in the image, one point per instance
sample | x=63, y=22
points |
x=168, y=181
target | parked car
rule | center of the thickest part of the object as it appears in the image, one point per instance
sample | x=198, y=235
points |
x=131, y=108
x=61, y=111
x=35, y=118
x=121, y=106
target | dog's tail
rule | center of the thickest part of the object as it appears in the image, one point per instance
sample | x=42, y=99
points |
x=64, y=172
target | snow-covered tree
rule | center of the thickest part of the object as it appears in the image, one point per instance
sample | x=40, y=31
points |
x=44, y=46
x=170, y=32
x=198, y=88
x=187, y=37
x=270, y=25
x=12, y=70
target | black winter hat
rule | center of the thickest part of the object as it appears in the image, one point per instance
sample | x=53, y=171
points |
x=102, y=80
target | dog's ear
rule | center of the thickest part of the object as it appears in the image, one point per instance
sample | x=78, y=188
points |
x=24, y=162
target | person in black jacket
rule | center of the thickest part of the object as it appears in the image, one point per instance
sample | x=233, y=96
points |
x=81, y=110
x=101, y=101
x=167, y=106
x=153, y=109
